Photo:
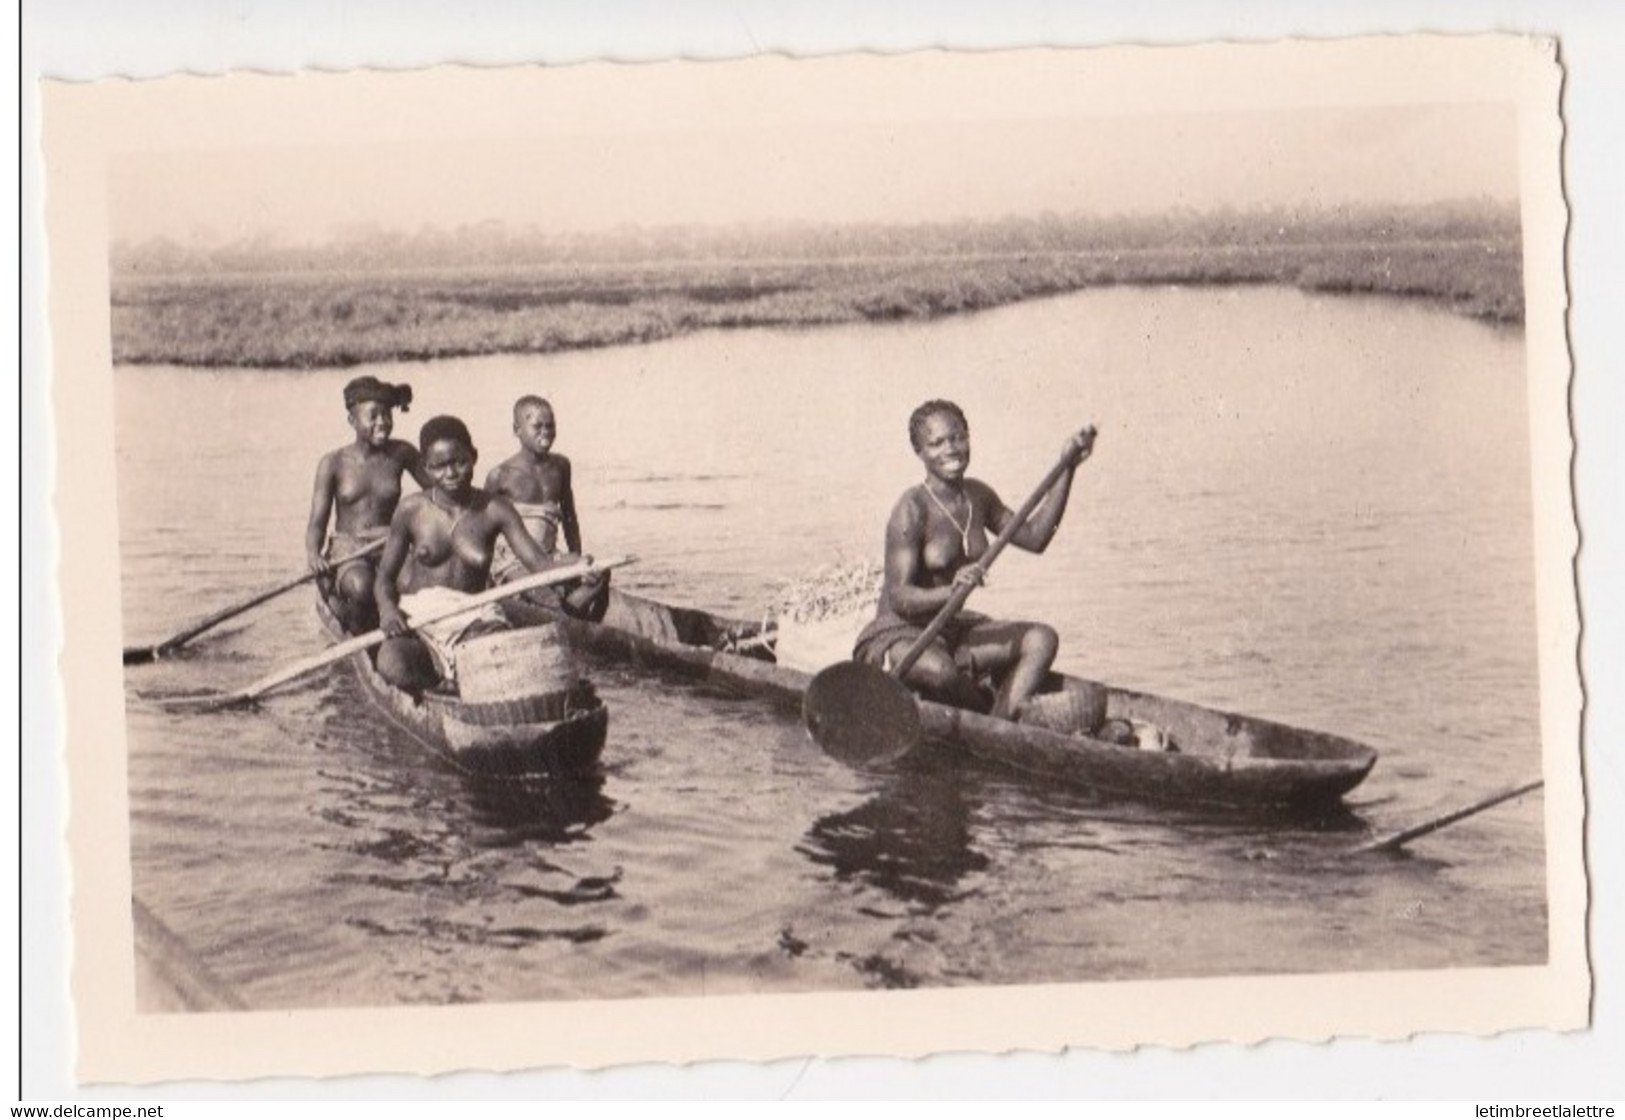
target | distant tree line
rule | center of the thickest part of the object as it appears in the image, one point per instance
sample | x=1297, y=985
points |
x=493, y=244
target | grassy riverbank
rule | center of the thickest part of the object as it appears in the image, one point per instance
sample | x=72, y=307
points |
x=322, y=317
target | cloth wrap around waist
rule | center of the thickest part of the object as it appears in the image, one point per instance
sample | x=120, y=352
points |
x=347, y=544
x=884, y=641
x=542, y=521
x=442, y=638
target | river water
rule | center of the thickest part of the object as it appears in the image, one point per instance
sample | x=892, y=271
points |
x=1310, y=508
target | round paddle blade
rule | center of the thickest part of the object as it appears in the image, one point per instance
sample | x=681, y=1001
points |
x=860, y=714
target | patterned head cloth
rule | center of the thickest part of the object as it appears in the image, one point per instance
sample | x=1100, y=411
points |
x=371, y=389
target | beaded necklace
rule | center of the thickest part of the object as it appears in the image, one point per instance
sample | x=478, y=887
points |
x=970, y=518
x=456, y=512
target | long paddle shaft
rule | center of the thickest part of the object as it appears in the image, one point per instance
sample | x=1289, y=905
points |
x=963, y=590
x=1396, y=840
x=140, y=655
x=377, y=637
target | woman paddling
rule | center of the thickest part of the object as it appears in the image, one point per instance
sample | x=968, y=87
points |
x=936, y=534
x=357, y=487
x=439, y=551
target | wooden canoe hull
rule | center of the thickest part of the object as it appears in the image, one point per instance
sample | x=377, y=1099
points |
x=1225, y=760
x=569, y=747
x=1225, y=772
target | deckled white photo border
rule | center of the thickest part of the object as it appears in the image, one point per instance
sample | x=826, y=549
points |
x=84, y=125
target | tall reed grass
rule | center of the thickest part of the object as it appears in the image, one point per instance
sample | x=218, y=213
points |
x=341, y=319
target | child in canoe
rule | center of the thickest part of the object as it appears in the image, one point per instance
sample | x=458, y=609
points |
x=441, y=543
x=937, y=533
x=537, y=480
x=357, y=488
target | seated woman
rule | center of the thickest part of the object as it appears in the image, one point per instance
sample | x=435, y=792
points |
x=439, y=551
x=357, y=487
x=937, y=532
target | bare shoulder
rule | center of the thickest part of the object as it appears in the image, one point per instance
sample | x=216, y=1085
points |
x=497, y=475
x=982, y=495
x=909, y=510
x=499, y=506
x=406, y=453
x=512, y=468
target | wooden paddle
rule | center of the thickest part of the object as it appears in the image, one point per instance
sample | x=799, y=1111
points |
x=251, y=692
x=141, y=655
x=1396, y=840
x=860, y=713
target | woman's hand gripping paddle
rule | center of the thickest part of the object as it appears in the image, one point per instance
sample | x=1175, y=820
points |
x=141, y=655
x=251, y=692
x=862, y=714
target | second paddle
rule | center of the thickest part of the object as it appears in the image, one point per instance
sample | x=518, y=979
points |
x=141, y=655
x=254, y=690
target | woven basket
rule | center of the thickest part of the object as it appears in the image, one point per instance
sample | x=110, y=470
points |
x=547, y=707
x=516, y=665
x=1079, y=708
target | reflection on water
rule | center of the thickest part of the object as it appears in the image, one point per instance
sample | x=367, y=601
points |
x=1306, y=508
x=912, y=840
x=556, y=811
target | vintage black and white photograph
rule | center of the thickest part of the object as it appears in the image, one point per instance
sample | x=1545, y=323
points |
x=837, y=527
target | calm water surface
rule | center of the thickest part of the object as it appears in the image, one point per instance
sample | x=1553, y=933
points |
x=1310, y=508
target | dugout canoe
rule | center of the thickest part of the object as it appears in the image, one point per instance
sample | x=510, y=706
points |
x=502, y=742
x=1224, y=761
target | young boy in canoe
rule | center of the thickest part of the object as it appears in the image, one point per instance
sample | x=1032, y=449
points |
x=440, y=547
x=357, y=487
x=537, y=480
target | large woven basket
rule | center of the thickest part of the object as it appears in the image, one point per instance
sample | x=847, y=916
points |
x=516, y=665
x=1079, y=708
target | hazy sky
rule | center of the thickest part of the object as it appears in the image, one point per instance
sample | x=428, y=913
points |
x=904, y=172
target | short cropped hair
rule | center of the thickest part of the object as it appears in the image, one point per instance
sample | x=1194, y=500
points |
x=529, y=400
x=917, y=419
x=444, y=427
